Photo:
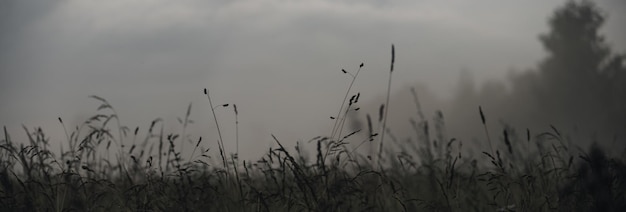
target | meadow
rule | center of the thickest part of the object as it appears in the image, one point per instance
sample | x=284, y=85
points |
x=109, y=167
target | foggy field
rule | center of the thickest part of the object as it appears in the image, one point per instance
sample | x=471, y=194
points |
x=101, y=170
x=312, y=106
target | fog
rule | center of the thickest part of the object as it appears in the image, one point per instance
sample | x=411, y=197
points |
x=279, y=61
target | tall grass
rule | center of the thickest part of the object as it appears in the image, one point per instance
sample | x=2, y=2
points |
x=535, y=172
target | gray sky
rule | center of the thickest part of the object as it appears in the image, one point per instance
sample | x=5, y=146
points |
x=279, y=61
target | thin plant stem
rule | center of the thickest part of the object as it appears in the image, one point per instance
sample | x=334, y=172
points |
x=219, y=133
x=382, y=136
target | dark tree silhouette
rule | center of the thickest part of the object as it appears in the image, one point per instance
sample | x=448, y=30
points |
x=581, y=82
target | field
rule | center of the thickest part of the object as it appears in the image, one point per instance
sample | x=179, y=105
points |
x=108, y=167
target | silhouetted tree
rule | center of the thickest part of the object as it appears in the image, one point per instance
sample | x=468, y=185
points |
x=581, y=80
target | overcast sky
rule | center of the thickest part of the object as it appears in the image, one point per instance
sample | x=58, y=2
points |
x=279, y=61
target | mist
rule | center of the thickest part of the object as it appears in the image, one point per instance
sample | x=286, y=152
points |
x=575, y=94
x=279, y=61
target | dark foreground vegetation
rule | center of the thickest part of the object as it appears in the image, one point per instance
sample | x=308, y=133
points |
x=523, y=172
x=109, y=167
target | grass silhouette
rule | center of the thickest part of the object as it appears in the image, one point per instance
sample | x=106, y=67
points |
x=535, y=173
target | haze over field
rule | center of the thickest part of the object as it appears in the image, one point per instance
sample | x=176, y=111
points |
x=279, y=61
